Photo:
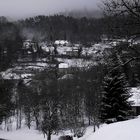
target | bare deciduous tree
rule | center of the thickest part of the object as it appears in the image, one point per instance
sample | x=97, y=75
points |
x=119, y=7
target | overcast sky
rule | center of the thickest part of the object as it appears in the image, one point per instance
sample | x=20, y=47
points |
x=26, y=8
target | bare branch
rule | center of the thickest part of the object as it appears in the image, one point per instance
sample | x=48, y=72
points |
x=127, y=62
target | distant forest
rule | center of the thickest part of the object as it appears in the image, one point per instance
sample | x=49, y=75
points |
x=55, y=27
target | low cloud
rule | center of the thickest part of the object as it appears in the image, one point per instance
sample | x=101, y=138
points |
x=26, y=8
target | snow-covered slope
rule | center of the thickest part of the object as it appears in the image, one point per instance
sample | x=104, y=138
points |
x=127, y=130
x=22, y=135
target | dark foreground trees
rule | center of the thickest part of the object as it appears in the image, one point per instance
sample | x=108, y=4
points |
x=50, y=103
x=6, y=104
x=55, y=102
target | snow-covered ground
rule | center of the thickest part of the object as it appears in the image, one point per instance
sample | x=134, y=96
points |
x=23, y=134
x=126, y=130
x=26, y=134
x=77, y=62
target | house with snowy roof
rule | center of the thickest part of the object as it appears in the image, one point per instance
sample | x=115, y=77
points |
x=61, y=43
x=134, y=40
x=29, y=47
x=68, y=51
x=63, y=67
x=135, y=99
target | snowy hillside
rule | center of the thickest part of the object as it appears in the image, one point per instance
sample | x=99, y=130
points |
x=26, y=134
x=127, y=130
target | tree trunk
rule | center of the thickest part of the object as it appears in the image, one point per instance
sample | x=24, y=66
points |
x=94, y=129
x=17, y=119
x=49, y=135
x=36, y=118
x=37, y=122
x=89, y=121
x=94, y=125
x=29, y=119
x=20, y=118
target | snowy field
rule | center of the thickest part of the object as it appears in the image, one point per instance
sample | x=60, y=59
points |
x=26, y=134
x=126, y=130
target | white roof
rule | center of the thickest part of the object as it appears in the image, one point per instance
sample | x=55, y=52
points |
x=61, y=42
x=135, y=96
x=63, y=65
x=63, y=50
x=56, y=42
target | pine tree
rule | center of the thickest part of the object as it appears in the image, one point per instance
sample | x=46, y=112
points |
x=115, y=104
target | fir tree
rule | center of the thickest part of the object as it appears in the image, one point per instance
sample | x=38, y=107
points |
x=115, y=102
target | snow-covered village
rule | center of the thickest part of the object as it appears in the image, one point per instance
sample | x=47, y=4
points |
x=69, y=70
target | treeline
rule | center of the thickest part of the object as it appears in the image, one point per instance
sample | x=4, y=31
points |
x=78, y=29
x=10, y=43
x=56, y=27
x=55, y=103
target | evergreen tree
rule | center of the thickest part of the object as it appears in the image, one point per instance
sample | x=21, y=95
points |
x=115, y=104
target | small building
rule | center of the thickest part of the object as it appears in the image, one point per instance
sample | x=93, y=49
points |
x=134, y=40
x=63, y=50
x=63, y=68
x=72, y=53
x=75, y=51
x=61, y=43
x=26, y=44
x=135, y=100
x=29, y=47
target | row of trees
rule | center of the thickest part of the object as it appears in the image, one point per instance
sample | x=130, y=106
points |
x=10, y=43
x=55, y=103
x=80, y=29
